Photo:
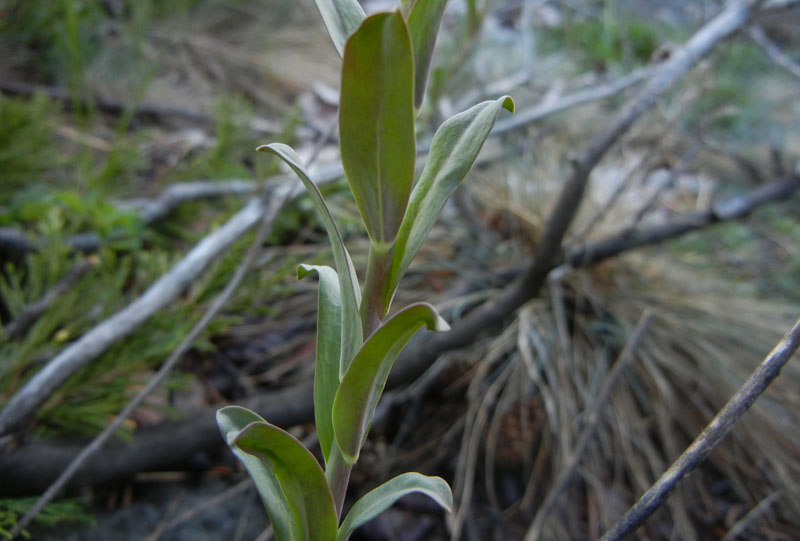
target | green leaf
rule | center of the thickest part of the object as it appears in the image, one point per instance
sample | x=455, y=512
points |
x=454, y=148
x=362, y=385
x=341, y=18
x=423, y=24
x=299, y=475
x=329, y=334
x=348, y=281
x=231, y=420
x=376, y=122
x=380, y=499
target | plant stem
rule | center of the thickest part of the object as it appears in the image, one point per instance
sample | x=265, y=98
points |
x=337, y=472
x=376, y=297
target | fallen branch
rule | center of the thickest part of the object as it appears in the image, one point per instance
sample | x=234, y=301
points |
x=549, y=254
x=153, y=210
x=631, y=238
x=580, y=97
x=711, y=436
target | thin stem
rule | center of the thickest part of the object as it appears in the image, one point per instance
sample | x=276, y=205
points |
x=376, y=298
x=337, y=472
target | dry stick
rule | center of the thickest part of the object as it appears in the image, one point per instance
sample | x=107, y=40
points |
x=32, y=312
x=714, y=432
x=593, y=421
x=153, y=210
x=92, y=344
x=580, y=97
x=270, y=210
x=773, y=51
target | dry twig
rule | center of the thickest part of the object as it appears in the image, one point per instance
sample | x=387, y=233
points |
x=714, y=432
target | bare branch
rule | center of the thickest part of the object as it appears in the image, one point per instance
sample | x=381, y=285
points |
x=580, y=97
x=631, y=238
x=153, y=210
x=773, y=51
x=714, y=432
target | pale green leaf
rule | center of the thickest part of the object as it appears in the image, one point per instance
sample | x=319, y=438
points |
x=348, y=281
x=231, y=421
x=299, y=475
x=341, y=18
x=454, y=148
x=380, y=499
x=362, y=385
x=329, y=334
x=376, y=122
x=423, y=24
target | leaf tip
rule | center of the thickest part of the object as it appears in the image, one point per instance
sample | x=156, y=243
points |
x=303, y=270
x=508, y=103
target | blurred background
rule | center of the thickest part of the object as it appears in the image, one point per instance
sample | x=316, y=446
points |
x=106, y=105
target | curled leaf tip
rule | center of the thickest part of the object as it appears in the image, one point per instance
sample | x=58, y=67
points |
x=508, y=103
x=263, y=148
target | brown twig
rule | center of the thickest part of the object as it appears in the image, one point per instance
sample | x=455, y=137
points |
x=711, y=436
x=593, y=421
